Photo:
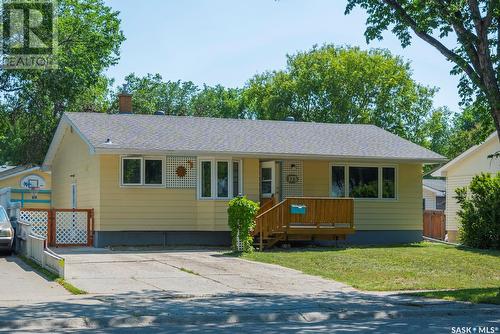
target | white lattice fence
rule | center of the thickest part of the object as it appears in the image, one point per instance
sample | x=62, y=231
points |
x=181, y=172
x=71, y=227
x=38, y=219
x=292, y=178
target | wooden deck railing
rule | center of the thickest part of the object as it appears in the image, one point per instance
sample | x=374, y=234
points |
x=267, y=204
x=323, y=211
x=320, y=216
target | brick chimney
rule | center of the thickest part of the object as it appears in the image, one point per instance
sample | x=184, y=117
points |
x=125, y=103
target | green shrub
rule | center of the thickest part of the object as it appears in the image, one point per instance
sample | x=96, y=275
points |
x=480, y=212
x=241, y=215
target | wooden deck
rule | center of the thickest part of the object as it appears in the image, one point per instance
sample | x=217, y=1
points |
x=305, y=218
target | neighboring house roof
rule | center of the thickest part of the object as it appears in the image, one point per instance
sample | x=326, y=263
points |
x=437, y=186
x=17, y=170
x=442, y=171
x=3, y=168
x=159, y=134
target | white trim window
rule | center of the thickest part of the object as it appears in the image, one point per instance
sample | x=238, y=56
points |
x=237, y=178
x=267, y=176
x=142, y=171
x=219, y=178
x=363, y=181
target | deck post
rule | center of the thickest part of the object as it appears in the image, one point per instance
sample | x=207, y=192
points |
x=261, y=243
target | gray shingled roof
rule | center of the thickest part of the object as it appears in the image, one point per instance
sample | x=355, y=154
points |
x=157, y=133
x=6, y=171
x=436, y=184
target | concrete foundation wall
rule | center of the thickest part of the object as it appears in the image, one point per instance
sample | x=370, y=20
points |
x=222, y=238
x=384, y=237
x=161, y=238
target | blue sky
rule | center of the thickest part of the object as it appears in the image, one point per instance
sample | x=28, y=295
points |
x=226, y=42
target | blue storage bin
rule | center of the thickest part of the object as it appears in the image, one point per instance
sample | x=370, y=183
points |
x=296, y=209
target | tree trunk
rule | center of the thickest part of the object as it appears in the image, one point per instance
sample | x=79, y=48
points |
x=494, y=103
x=495, y=112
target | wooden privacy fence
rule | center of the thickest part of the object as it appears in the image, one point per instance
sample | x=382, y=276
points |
x=434, y=224
x=61, y=227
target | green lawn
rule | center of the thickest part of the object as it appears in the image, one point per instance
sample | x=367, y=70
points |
x=422, y=266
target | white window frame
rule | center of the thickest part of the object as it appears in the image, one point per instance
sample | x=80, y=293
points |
x=163, y=171
x=346, y=180
x=396, y=182
x=213, y=177
x=199, y=179
x=143, y=160
x=272, y=165
x=240, y=176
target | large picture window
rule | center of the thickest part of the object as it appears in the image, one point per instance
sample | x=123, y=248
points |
x=363, y=181
x=219, y=179
x=140, y=171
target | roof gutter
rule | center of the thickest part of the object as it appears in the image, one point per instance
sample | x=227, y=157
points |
x=265, y=155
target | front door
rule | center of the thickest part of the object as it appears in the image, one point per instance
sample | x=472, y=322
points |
x=267, y=179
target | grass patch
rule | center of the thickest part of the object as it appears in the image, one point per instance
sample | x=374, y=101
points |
x=189, y=271
x=419, y=266
x=52, y=277
x=485, y=295
x=70, y=287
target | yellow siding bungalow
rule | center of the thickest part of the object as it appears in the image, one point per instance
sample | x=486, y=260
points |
x=156, y=179
x=29, y=185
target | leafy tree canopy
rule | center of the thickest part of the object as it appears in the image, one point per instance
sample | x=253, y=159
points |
x=183, y=98
x=475, y=24
x=31, y=101
x=344, y=85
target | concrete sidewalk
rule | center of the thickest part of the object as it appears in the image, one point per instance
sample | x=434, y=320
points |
x=333, y=312
x=19, y=282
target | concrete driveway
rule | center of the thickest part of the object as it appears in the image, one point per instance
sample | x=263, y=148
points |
x=200, y=291
x=184, y=273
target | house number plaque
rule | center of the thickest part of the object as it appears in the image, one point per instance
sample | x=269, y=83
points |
x=292, y=178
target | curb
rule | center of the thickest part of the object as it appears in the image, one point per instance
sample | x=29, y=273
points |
x=227, y=318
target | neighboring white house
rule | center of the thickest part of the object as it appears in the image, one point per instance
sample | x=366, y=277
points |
x=434, y=194
x=459, y=173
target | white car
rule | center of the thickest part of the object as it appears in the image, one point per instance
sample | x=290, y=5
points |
x=6, y=232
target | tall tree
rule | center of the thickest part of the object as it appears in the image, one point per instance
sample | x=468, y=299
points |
x=344, y=85
x=474, y=23
x=32, y=101
x=151, y=93
x=471, y=127
x=219, y=101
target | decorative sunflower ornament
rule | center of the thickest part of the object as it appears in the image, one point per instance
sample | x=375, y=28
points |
x=181, y=171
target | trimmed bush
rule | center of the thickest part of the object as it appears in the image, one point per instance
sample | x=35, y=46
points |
x=480, y=212
x=241, y=215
